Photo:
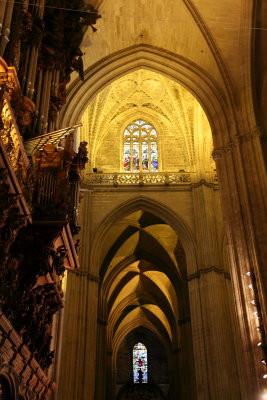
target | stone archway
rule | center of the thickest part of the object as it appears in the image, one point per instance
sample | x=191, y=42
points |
x=213, y=99
x=237, y=152
x=159, y=210
x=239, y=160
x=161, y=295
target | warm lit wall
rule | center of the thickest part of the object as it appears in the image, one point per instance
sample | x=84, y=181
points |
x=184, y=135
x=208, y=46
x=193, y=211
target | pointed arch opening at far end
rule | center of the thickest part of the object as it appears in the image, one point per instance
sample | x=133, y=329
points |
x=211, y=97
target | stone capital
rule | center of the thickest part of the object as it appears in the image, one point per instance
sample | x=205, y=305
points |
x=220, y=151
x=236, y=141
x=240, y=138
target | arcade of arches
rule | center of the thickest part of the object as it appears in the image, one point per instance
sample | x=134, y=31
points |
x=172, y=247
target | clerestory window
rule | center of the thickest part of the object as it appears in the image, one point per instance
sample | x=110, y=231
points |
x=140, y=363
x=140, y=147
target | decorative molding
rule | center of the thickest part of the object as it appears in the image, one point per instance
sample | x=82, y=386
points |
x=123, y=178
x=198, y=274
x=237, y=141
x=89, y=276
x=218, y=153
x=203, y=182
x=247, y=137
x=12, y=145
x=147, y=179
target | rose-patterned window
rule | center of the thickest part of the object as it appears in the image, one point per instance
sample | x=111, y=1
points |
x=140, y=147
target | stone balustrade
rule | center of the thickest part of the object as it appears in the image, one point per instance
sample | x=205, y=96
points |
x=154, y=178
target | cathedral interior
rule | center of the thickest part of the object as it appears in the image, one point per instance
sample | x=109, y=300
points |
x=133, y=200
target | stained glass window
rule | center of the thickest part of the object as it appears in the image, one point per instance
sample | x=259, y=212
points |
x=140, y=363
x=127, y=157
x=140, y=148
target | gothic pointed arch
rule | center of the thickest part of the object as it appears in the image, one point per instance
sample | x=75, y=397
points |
x=151, y=206
x=213, y=98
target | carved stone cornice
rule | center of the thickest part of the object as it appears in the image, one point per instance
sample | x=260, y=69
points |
x=236, y=141
x=141, y=179
x=203, y=182
x=199, y=273
x=247, y=137
x=90, y=277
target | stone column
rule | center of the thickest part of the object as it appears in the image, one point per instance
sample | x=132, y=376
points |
x=2, y=15
x=77, y=377
x=242, y=177
x=91, y=340
x=101, y=361
x=216, y=357
x=9, y=5
x=184, y=356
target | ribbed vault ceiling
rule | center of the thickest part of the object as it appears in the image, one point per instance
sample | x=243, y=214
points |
x=141, y=254
x=141, y=283
x=161, y=101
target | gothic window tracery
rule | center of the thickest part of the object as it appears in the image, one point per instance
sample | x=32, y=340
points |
x=140, y=363
x=140, y=147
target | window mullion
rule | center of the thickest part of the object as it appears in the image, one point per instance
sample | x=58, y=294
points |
x=133, y=134
x=140, y=152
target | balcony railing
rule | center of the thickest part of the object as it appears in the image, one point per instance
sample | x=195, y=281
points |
x=140, y=179
x=159, y=178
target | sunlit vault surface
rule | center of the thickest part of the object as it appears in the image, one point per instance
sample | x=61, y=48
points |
x=184, y=135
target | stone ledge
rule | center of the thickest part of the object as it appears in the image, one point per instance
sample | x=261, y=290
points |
x=197, y=275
